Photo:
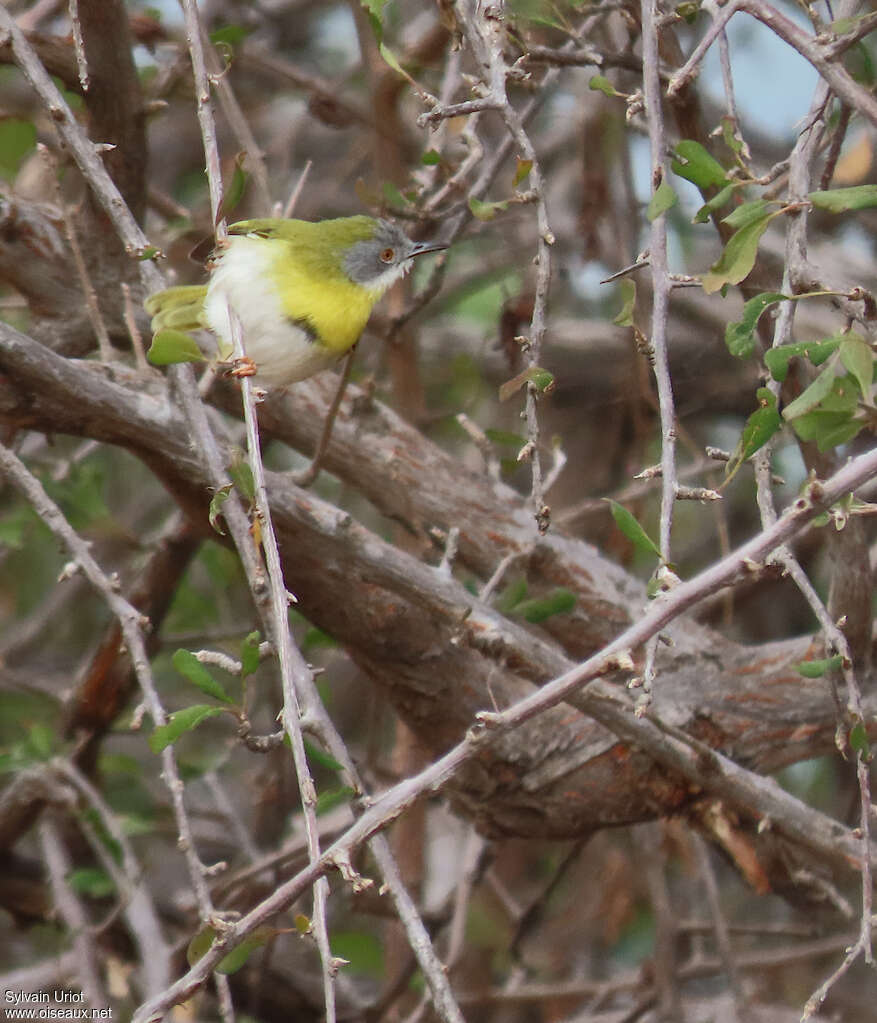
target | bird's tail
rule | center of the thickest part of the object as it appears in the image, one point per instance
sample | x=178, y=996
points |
x=177, y=308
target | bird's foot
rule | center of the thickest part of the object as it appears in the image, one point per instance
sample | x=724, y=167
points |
x=243, y=367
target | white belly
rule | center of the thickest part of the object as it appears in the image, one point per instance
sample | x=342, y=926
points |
x=281, y=349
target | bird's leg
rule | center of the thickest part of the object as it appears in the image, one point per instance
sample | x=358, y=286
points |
x=307, y=476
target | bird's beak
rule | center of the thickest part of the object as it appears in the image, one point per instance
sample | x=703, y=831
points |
x=419, y=248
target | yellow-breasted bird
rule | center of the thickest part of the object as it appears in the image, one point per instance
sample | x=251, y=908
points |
x=301, y=290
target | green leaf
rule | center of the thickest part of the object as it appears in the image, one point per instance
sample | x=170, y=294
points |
x=857, y=357
x=188, y=665
x=738, y=257
x=740, y=336
x=91, y=881
x=375, y=11
x=720, y=199
x=833, y=421
x=199, y=946
x=230, y=35
x=235, y=959
x=485, y=211
x=537, y=609
x=777, y=359
x=40, y=741
x=663, y=199
x=430, y=158
x=760, y=427
x=172, y=346
x=541, y=379
x=627, y=288
x=859, y=740
x=503, y=438
x=215, y=510
x=250, y=654
x=601, y=84
x=149, y=252
x=242, y=476
x=688, y=10
x=827, y=429
x=236, y=188
x=840, y=200
x=816, y=669
x=316, y=755
x=181, y=721
x=511, y=595
x=731, y=135
x=746, y=213
x=18, y=138
x=328, y=800
x=696, y=165
x=812, y=396
x=632, y=529
x=522, y=170
x=391, y=59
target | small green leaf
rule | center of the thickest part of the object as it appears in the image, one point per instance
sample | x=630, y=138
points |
x=181, y=721
x=18, y=138
x=390, y=58
x=760, y=427
x=627, y=288
x=601, y=84
x=816, y=669
x=696, y=165
x=188, y=665
x=859, y=741
x=230, y=35
x=541, y=379
x=731, y=135
x=199, y=946
x=375, y=11
x=235, y=959
x=328, y=800
x=738, y=257
x=840, y=200
x=41, y=741
x=430, y=158
x=486, y=211
x=812, y=396
x=857, y=357
x=501, y=438
x=91, y=881
x=663, y=199
x=720, y=199
x=632, y=529
x=522, y=170
x=537, y=609
x=149, y=252
x=172, y=346
x=250, y=654
x=688, y=11
x=777, y=359
x=511, y=595
x=215, y=510
x=319, y=756
x=833, y=421
x=236, y=188
x=740, y=336
x=746, y=213
x=242, y=476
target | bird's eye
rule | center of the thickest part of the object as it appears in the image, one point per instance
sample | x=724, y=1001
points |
x=388, y=255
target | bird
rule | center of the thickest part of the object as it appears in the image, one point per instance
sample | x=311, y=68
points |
x=302, y=291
